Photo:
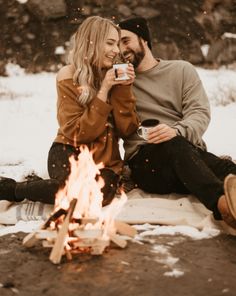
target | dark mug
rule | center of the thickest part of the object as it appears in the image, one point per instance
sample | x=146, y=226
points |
x=146, y=125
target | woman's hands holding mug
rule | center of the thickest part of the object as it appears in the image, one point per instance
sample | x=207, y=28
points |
x=110, y=80
x=125, y=73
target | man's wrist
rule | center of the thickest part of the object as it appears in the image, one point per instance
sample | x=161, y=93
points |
x=177, y=131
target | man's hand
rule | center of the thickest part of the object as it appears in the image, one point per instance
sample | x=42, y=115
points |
x=161, y=133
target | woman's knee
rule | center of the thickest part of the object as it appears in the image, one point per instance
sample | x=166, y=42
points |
x=109, y=189
x=58, y=161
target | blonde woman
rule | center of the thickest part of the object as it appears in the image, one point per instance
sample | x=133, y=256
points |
x=92, y=109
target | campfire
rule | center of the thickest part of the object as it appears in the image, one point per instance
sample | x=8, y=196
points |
x=79, y=223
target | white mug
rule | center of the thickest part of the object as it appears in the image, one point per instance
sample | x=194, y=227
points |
x=124, y=68
x=145, y=127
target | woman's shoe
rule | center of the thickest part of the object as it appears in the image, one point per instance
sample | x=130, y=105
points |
x=37, y=190
x=7, y=189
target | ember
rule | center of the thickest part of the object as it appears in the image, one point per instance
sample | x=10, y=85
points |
x=79, y=223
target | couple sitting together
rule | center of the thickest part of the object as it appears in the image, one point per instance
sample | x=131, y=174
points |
x=97, y=109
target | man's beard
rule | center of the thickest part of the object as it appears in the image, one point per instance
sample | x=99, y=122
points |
x=136, y=56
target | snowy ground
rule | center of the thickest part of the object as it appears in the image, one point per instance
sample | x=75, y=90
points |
x=28, y=120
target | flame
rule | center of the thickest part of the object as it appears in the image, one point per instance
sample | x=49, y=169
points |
x=83, y=186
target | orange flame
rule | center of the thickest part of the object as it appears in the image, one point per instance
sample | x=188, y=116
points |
x=81, y=184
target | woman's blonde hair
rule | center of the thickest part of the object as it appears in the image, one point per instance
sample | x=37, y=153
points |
x=86, y=57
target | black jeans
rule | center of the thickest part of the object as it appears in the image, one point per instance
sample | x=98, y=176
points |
x=59, y=170
x=178, y=166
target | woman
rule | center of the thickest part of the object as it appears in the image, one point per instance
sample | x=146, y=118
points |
x=92, y=108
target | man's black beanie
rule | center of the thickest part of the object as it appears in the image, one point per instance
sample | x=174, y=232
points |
x=137, y=25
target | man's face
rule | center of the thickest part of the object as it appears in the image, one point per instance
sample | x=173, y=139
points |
x=132, y=47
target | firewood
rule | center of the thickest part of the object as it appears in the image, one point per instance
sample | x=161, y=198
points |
x=84, y=243
x=99, y=247
x=68, y=255
x=86, y=220
x=125, y=229
x=58, y=247
x=115, y=238
x=47, y=244
x=54, y=217
x=45, y=234
x=93, y=246
x=88, y=233
x=30, y=240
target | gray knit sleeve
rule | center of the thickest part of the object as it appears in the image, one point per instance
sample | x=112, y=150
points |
x=195, y=107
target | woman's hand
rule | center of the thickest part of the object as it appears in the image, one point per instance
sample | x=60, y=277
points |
x=109, y=80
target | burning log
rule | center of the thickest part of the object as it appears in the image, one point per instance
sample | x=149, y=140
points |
x=125, y=229
x=88, y=233
x=79, y=223
x=65, y=241
x=31, y=239
x=58, y=247
x=118, y=240
x=81, y=239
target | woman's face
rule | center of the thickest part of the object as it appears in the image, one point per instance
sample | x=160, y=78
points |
x=111, y=49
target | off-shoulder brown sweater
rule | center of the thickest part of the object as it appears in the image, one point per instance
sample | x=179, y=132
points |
x=98, y=125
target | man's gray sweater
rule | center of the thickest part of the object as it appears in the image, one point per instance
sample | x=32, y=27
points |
x=171, y=92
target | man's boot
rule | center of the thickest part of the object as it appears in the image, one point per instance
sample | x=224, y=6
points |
x=227, y=202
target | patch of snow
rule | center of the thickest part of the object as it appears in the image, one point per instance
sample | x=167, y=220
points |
x=174, y=273
x=21, y=226
x=59, y=50
x=181, y=229
x=229, y=35
x=22, y=1
x=205, y=49
x=219, y=84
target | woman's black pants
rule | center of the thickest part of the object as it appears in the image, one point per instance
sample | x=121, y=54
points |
x=177, y=166
x=59, y=170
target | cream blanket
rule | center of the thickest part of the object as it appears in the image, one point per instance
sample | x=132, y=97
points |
x=141, y=207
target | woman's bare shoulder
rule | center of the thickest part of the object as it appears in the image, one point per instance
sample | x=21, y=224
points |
x=65, y=72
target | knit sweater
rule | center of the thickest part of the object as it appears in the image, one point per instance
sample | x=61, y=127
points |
x=173, y=93
x=97, y=125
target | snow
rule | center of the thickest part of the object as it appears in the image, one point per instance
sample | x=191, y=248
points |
x=28, y=127
x=205, y=49
x=59, y=50
x=22, y=1
x=184, y=230
x=21, y=226
x=27, y=122
x=229, y=35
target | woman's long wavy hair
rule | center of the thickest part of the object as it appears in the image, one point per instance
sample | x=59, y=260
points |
x=87, y=45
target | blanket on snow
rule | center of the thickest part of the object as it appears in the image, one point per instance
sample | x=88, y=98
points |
x=141, y=207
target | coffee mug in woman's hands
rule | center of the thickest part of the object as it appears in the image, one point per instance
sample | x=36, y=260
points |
x=123, y=67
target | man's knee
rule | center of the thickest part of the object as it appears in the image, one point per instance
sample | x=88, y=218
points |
x=181, y=145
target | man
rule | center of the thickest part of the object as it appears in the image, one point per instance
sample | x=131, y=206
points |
x=174, y=158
